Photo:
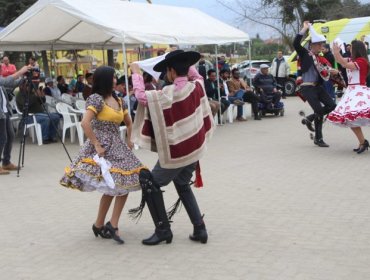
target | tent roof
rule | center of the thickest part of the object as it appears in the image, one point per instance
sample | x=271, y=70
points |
x=86, y=24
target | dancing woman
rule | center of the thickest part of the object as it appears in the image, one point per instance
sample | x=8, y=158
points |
x=104, y=113
x=353, y=110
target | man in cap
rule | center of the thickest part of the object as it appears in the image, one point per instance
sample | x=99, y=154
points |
x=315, y=70
x=177, y=123
x=266, y=84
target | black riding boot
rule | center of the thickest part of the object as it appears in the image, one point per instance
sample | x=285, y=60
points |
x=154, y=200
x=191, y=206
x=318, y=132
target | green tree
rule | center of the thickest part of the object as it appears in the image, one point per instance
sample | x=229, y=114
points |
x=9, y=11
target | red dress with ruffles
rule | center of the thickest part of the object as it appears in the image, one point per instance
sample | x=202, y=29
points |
x=353, y=110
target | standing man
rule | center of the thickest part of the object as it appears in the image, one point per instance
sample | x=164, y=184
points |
x=177, y=122
x=7, y=68
x=314, y=73
x=6, y=128
x=280, y=70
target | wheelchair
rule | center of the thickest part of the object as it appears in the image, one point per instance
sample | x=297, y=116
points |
x=266, y=106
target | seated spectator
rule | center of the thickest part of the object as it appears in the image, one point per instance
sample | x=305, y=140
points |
x=266, y=85
x=35, y=100
x=239, y=90
x=7, y=68
x=79, y=86
x=63, y=87
x=211, y=87
x=120, y=90
x=51, y=90
x=86, y=92
x=149, y=81
x=72, y=83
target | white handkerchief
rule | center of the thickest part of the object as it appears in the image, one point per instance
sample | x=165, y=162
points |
x=105, y=166
x=148, y=64
x=340, y=44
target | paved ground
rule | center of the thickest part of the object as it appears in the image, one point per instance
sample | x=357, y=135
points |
x=277, y=207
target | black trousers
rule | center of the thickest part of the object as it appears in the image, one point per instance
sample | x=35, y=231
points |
x=253, y=99
x=321, y=103
x=281, y=81
x=6, y=139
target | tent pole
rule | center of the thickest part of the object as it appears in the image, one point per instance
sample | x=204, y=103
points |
x=125, y=67
x=250, y=61
x=218, y=83
x=54, y=61
x=102, y=49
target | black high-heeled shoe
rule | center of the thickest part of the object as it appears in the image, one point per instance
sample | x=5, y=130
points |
x=112, y=231
x=363, y=147
x=100, y=231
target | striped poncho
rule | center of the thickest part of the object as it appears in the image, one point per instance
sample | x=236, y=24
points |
x=175, y=123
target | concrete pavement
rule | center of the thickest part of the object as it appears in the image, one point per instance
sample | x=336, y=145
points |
x=276, y=207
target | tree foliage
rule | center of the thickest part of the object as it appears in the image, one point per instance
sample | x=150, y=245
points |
x=10, y=10
x=286, y=16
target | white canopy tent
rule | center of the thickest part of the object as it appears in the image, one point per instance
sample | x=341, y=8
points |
x=72, y=24
x=108, y=24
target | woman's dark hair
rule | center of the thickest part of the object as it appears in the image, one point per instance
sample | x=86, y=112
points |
x=103, y=81
x=59, y=78
x=358, y=50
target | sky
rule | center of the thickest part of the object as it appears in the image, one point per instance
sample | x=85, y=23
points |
x=210, y=7
x=213, y=8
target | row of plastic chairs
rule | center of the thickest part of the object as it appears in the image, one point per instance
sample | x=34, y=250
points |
x=71, y=120
x=229, y=114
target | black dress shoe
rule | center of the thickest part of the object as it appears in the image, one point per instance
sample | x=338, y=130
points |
x=257, y=118
x=199, y=234
x=51, y=140
x=308, y=123
x=159, y=236
x=45, y=142
x=100, y=231
x=320, y=143
x=363, y=147
x=112, y=231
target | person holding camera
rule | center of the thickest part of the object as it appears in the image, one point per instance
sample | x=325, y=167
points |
x=36, y=98
x=6, y=128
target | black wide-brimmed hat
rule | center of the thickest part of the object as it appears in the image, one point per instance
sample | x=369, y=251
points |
x=178, y=56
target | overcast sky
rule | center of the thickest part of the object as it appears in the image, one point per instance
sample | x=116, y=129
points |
x=213, y=8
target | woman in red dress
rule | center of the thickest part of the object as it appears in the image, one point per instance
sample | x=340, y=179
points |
x=353, y=110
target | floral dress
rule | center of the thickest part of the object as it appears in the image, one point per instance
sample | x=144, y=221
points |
x=84, y=173
x=353, y=110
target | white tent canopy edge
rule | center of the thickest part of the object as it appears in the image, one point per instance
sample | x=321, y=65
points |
x=84, y=24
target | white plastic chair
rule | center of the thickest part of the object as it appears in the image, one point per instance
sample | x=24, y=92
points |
x=67, y=98
x=81, y=105
x=50, y=102
x=70, y=121
x=230, y=112
x=33, y=127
